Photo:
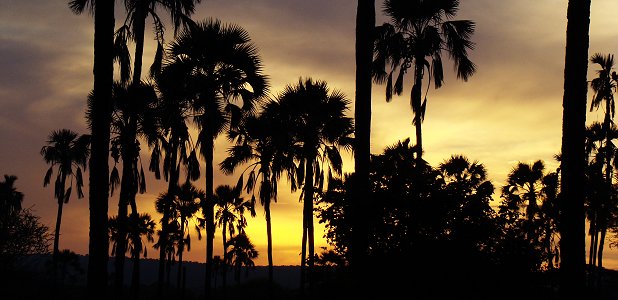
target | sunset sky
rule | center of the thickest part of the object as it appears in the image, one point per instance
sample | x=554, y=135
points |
x=509, y=111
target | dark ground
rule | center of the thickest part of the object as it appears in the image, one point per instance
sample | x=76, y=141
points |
x=31, y=281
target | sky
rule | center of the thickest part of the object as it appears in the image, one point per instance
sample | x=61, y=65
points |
x=509, y=111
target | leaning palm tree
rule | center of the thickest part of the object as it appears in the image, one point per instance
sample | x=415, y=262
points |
x=418, y=34
x=231, y=208
x=226, y=81
x=604, y=87
x=67, y=152
x=315, y=117
x=268, y=153
x=99, y=124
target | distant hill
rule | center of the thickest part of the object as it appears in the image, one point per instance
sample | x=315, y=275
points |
x=287, y=277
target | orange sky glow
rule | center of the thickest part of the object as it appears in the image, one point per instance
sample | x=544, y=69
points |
x=509, y=111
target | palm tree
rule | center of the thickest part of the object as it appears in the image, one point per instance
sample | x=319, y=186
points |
x=10, y=198
x=532, y=192
x=67, y=152
x=604, y=87
x=572, y=246
x=138, y=11
x=416, y=37
x=186, y=205
x=315, y=117
x=365, y=23
x=242, y=253
x=268, y=152
x=230, y=216
x=171, y=145
x=133, y=117
x=100, y=119
x=226, y=81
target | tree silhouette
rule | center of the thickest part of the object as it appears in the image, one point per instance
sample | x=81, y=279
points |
x=172, y=146
x=10, y=198
x=133, y=117
x=267, y=150
x=99, y=124
x=67, y=152
x=226, y=79
x=365, y=23
x=185, y=206
x=572, y=223
x=604, y=87
x=242, y=253
x=230, y=209
x=418, y=34
x=315, y=117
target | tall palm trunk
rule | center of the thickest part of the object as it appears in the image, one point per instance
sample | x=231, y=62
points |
x=209, y=212
x=602, y=224
x=417, y=105
x=269, y=237
x=99, y=154
x=181, y=248
x=365, y=23
x=572, y=229
x=171, y=192
x=225, y=259
x=139, y=27
x=59, y=220
x=126, y=187
x=308, y=224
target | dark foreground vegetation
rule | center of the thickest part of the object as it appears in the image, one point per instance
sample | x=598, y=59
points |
x=444, y=282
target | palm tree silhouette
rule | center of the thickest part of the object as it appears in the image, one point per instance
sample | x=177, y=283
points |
x=171, y=145
x=315, y=117
x=67, y=152
x=185, y=206
x=599, y=197
x=10, y=198
x=230, y=217
x=267, y=150
x=242, y=253
x=419, y=32
x=133, y=116
x=365, y=23
x=226, y=81
x=604, y=87
x=532, y=192
x=138, y=11
x=572, y=245
x=99, y=124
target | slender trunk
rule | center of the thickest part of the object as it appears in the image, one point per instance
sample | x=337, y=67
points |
x=137, y=248
x=365, y=23
x=59, y=219
x=303, y=256
x=269, y=237
x=225, y=259
x=417, y=106
x=181, y=248
x=308, y=217
x=171, y=191
x=595, y=247
x=99, y=149
x=600, y=251
x=126, y=187
x=572, y=229
x=139, y=27
x=592, y=233
x=209, y=213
